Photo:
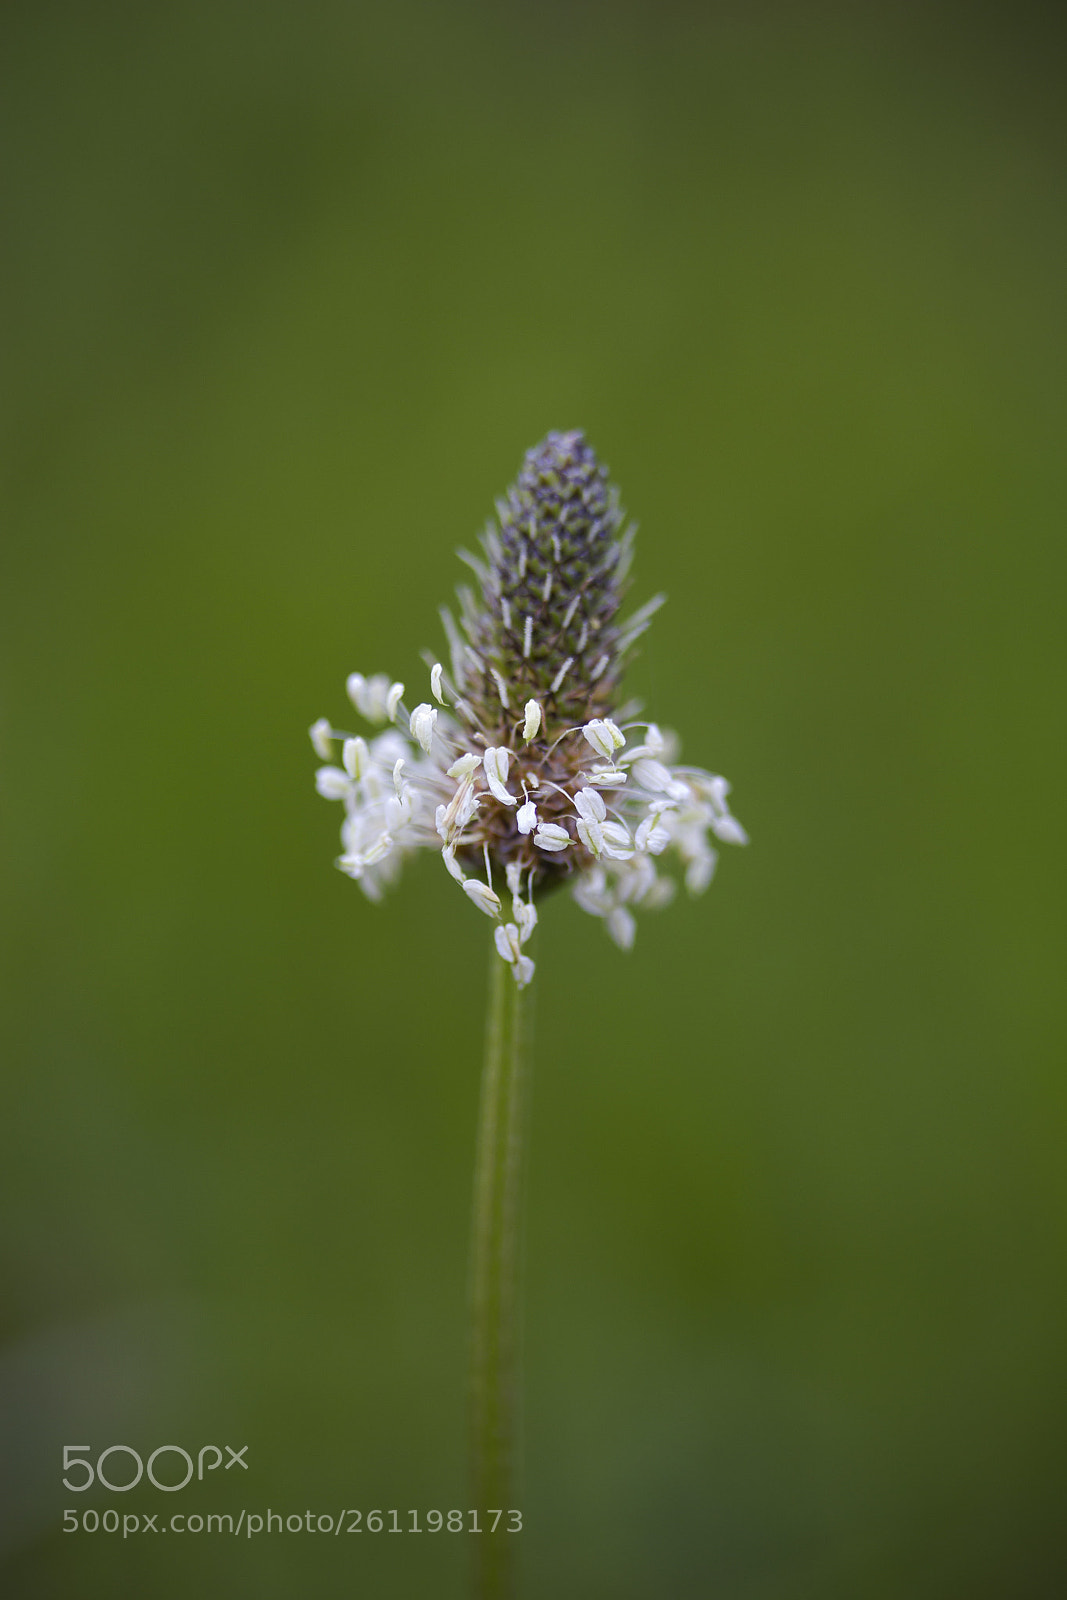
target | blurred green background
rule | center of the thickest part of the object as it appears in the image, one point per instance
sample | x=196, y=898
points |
x=291, y=290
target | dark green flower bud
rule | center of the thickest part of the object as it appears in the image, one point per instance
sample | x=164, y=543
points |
x=543, y=627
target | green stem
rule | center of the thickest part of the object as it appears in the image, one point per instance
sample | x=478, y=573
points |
x=494, y=1376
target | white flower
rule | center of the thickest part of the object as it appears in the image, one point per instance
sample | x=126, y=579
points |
x=543, y=634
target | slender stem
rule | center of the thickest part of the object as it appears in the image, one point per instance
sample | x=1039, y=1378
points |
x=494, y=1375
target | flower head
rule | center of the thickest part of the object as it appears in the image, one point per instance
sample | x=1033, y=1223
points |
x=526, y=763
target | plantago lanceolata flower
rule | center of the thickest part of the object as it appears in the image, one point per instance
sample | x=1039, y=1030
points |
x=522, y=769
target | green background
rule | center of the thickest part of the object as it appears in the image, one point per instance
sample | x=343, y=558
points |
x=291, y=290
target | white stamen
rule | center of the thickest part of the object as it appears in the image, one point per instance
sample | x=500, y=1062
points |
x=622, y=927
x=508, y=941
x=332, y=783
x=700, y=871
x=590, y=805
x=616, y=841
x=546, y=592
x=379, y=849
x=717, y=790
x=550, y=836
x=729, y=830
x=464, y=765
x=399, y=811
x=604, y=737
x=483, y=898
x=370, y=696
x=569, y=613
x=355, y=757
x=653, y=775
x=453, y=818
x=496, y=761
x=523, y=971
x=654, y=746
x=592, y=837
x=448, y=856
x=652, y=836
x=526, y=917
x=321, y=736
x=437, y=672
x=527, y=636
x=421, y=724
x=526, y=817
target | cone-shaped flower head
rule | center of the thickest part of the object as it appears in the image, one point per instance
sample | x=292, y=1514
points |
x=552, y=583
x=525, y=764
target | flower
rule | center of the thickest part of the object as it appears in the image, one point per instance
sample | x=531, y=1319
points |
x=527, y=764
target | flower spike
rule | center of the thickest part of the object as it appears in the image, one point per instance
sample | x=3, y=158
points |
x=541, y=631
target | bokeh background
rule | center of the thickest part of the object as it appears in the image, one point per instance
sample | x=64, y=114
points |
x=291, y=290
